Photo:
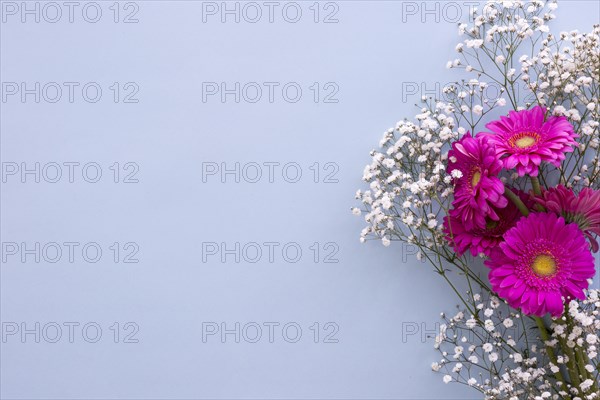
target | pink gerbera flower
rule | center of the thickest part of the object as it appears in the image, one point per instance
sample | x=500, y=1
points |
x=523, y=139
x=483, y=240
x=584, y=210
x=541, y=260
x=474, y=165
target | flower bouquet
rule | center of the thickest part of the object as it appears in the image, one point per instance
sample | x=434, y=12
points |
x=512, y=182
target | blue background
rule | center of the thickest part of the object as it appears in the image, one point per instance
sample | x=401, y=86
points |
x=371, y=293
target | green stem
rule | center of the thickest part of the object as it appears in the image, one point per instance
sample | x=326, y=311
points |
x=537, y=190
x=517, y=201
x=572, y=364
x=581, y=363
x=595, y=387
x=551, y=355
x=573, y=371
x=535, y=183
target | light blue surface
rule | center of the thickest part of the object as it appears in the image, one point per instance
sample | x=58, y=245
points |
x=369, y=294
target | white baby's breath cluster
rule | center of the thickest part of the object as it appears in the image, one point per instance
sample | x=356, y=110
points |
x=407, y=180
x=564, y=75
x=499, y=31
x=492, y=351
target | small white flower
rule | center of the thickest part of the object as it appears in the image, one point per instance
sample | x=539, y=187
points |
x=544, y=28
x=585, y=385
x=508, y=322
x=475, y=43
x=389, y=163
x=457, y=368
x=456, y=173
x=559, y=329
x=589, y=368
x=591, y=338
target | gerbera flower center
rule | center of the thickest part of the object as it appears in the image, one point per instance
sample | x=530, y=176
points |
x=476, y=177
x=544, y=265
x=490, y=224
x=524, y=140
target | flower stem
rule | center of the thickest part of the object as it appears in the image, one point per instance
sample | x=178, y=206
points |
x=535, y=183
x=568, y=351
x=572, y=364
x=551, y=355
x=537, y=190
x=595, y=387
x=517, y=201
x=581, y=363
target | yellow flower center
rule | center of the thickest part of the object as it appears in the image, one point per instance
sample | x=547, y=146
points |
x=544, y=265
x=476, y=178
x=525, y=141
